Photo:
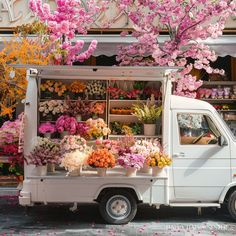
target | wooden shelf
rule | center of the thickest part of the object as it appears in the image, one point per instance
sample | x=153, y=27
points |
x=117, y=115
x=219, y=100
x=4, y=159
x=219, y=83
x=136, y=136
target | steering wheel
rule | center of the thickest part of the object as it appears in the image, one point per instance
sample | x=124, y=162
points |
x=199, y=137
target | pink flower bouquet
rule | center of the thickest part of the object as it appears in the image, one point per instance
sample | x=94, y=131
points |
x=73, y=142
x=131, y=160
x=47, y=128
x=44, y=152
x=66, y=123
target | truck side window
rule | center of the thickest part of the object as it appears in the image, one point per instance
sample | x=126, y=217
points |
x=197, y=129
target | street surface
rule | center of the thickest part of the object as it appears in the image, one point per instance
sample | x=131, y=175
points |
x=58, y=220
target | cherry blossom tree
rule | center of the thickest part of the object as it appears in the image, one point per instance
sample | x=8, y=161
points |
x=69, y=18
x=188, y=23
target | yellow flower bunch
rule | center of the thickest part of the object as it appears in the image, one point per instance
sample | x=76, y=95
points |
x=77, y=87
x=158, y=159
x=52, y=86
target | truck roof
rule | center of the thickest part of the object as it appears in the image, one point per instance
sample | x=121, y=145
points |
x=101, y=72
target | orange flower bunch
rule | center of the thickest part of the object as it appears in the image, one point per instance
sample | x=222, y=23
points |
x=52, y=86
x=159, y=159
x=13, y=81
x=101, y=158
x=77, y=87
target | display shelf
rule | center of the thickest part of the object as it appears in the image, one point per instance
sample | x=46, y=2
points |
x=218, y=100
x=226, y=110
x=209, y=83
x=117, y=115
x=4, y=159
x=136, y=136
x=73, y=100
x=123, y=100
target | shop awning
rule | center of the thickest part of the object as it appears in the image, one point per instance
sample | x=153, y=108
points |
x=107, y=44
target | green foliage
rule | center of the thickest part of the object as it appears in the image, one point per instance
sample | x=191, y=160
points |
x=147, y=113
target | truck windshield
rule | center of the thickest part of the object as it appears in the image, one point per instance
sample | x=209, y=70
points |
x=226, y=126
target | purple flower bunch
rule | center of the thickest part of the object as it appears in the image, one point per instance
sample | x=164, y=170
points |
x=82, y=129
x=77, y=107
x=129, y=160
x=66, y=123
x=44, y=152
x=47, y=128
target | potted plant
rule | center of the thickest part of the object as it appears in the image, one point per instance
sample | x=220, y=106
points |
x=44, y=152
x=66, y=125
x=131, y=162
x=158, y=160
x=101, y=159
x=47, y=129
x=148, y=114
x=74, y=154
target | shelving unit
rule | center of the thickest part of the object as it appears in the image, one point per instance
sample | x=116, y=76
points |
x=231, y=102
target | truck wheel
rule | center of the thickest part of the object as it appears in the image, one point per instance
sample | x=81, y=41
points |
x=232, y=205
x=118, y=207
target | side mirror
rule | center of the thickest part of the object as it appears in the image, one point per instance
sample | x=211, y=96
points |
x=222, y=141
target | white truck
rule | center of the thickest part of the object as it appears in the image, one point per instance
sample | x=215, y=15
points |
x=203, y=172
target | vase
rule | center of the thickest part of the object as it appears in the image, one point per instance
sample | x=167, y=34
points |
x=51, y=167
x=101, y=172
x=131, y=172
x=40, y=170
x=149, y=129
x=146, y=169
x=78, y=117
x=64, y=133
x=159, y=172
x=76, y=172
x=47, y=135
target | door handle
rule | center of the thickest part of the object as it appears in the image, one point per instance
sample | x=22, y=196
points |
x=180, y=154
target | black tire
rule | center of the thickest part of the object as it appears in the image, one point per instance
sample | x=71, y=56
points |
x=111, y=205
x=232, y=205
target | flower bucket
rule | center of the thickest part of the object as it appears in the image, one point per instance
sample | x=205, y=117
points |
x=64, y=133
x=40, y=170
x=131, y=172
x=78, y=117
x=149, y=129
x=76, y=172
x=51, y=167
x=47, y=135
x=101, y=172
x=159, y=172
x=146, y=169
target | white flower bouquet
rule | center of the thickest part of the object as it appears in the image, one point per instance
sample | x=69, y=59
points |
x=95, y=89
x=52, y=107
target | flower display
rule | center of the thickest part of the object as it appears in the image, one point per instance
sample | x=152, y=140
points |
x=77, y=107
x=44, y=152
x=54, y=87
x=66, y=123
x=97, y=108
x=117, y=93
x=159, y=159
x=112, y=146
x=97, y=128
x=73, y=142
x=131, y=160
x=125, y=143
x=82, y=129
x=74, y=160
x=47, y=128
x=95, y=88
x=77, y=87
x=145, y=147
x=101, y=158
x=52, y=107
x=133, y=128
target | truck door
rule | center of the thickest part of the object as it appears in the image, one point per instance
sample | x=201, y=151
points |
x=201, y=168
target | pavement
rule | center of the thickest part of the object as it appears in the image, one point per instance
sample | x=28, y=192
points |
x=58, y=220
